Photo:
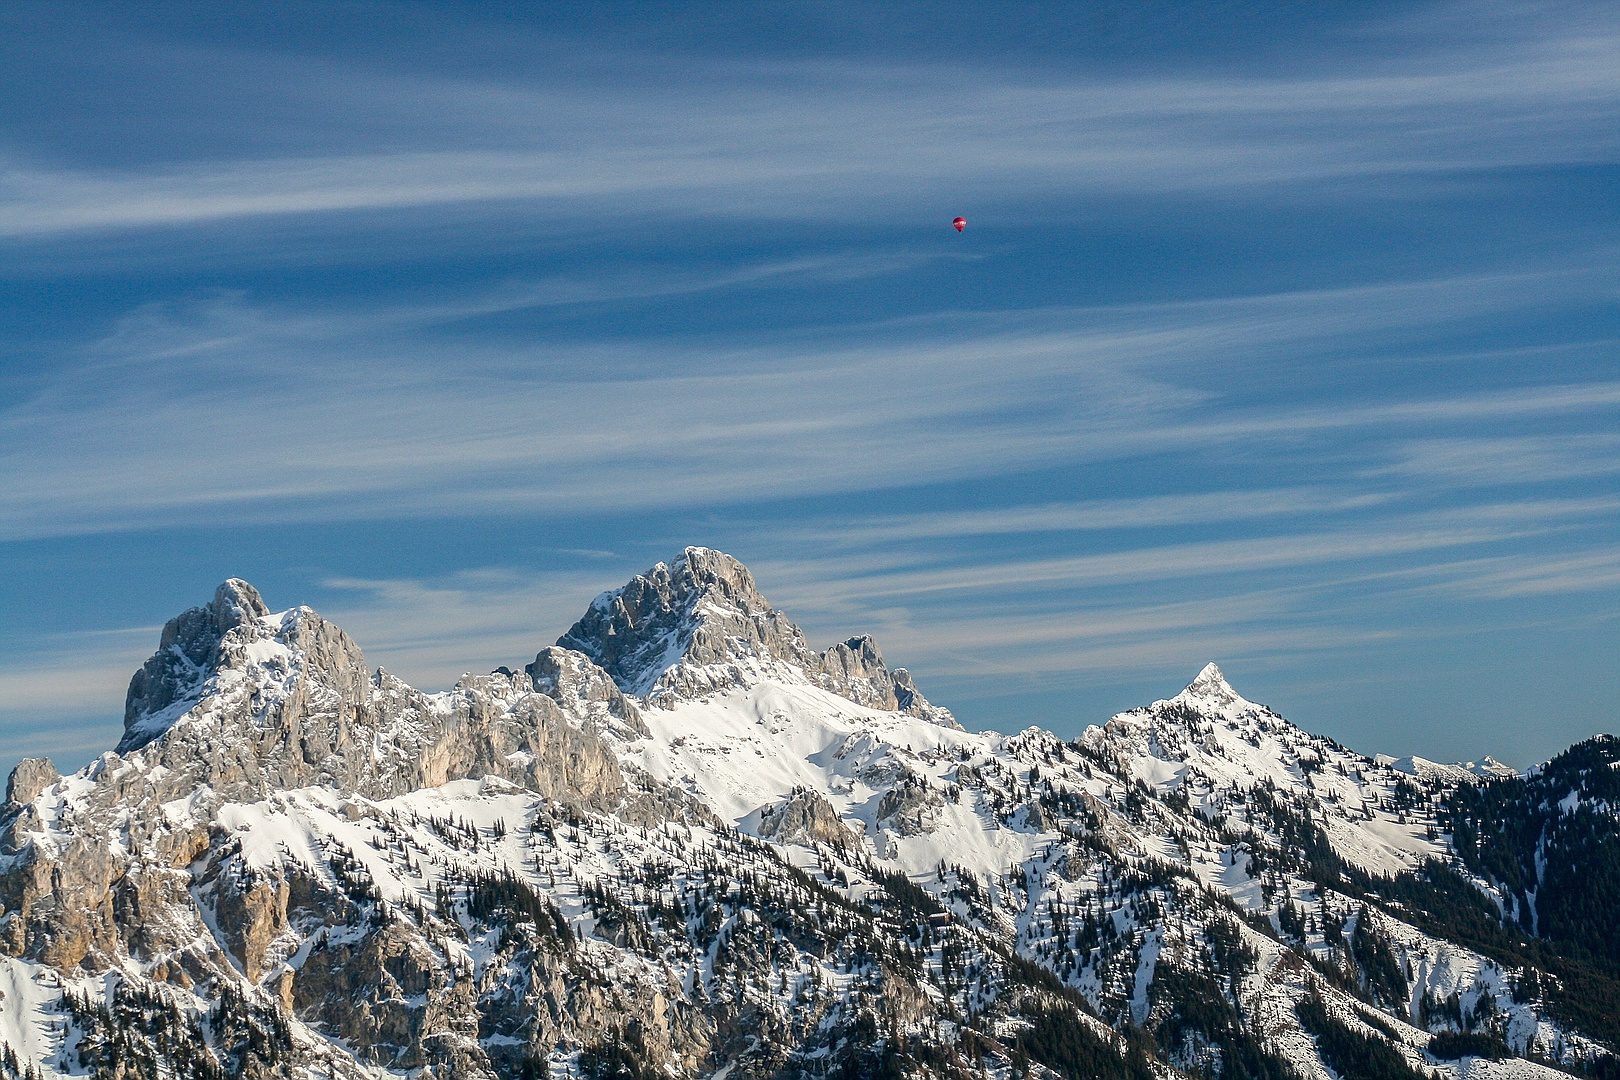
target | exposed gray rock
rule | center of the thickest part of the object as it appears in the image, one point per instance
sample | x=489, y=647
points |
x=704, y=612
x=910, y=807
x=702, y=626
x=280, y=702
x=909, y=700
x=584, y=690
x=806, y=818
x=30, y=777
x=276, y=703
x=187, y=652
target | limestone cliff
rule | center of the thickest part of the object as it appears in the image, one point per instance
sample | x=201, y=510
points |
x=701, y=625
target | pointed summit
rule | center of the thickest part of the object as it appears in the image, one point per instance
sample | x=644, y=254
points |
x=703, y=611
x=1212, y=685
x=187, y=654
x=1210, y=694
x=700, y=626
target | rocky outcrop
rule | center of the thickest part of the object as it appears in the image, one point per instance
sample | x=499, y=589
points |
x=807, y=818
x=285, y=701
x=493, y=725
x=855, y=669
x=693, y=627
x=30, y=777
x=909, y=700
x=584, y=690
x=236, y=706
x=910, y=807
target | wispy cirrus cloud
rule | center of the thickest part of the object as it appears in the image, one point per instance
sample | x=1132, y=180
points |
x=799, y=139
x=1488, y=460
x=223, y=404
x=1350, y=552
x=1094, y=515
x=62, y=695
x=70, y=671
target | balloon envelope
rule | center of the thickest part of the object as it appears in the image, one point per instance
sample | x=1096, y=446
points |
x=960, y=223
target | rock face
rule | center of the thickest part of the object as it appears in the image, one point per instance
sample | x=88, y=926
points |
x=704, y=612
x=808, y=819
x=911, y=807
x=286, y=701
x=582, y=689
x=28, y=779
x=702, y=626
x=683, y=843
x=187, y=652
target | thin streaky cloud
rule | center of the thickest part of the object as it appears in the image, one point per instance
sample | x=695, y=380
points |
x=1142, y=565
x=226, y=331
x=1590, y=572
x=1523, y=459
x=996, y=402
x=747, y=142
x=940, y=633
x=72, y=675
x=1181, y=654
x=1092, y=515
x=1202, y=508
x=1411, y=534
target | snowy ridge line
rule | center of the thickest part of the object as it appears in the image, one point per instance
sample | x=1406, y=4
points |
x=681, y=842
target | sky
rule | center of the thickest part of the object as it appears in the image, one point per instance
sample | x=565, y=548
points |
x=1280, y=335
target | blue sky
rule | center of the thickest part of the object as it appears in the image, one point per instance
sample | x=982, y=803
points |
x=1282, y=336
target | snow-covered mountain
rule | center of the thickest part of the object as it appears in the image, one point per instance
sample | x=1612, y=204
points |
x=682, y=842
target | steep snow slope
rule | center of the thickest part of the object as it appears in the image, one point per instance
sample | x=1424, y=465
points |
x=749, y=749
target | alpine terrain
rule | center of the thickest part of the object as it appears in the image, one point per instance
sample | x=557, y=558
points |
x=681, y=842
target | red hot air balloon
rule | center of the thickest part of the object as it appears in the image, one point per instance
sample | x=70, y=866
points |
x=960, y=223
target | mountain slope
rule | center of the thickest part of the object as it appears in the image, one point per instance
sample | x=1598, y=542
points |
x=682, y=842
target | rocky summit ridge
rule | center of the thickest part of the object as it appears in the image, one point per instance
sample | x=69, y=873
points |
x=682, y=842
x=701, y=626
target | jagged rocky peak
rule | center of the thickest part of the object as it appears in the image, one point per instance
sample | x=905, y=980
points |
x=1210, y=697
x=1175, y=727
x=240, y=702
x=234, y=654
x=702, y=611
x=584, y=690
x=187, y=652
x=700, y=625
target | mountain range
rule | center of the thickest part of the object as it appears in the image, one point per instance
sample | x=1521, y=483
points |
x=683, y=842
